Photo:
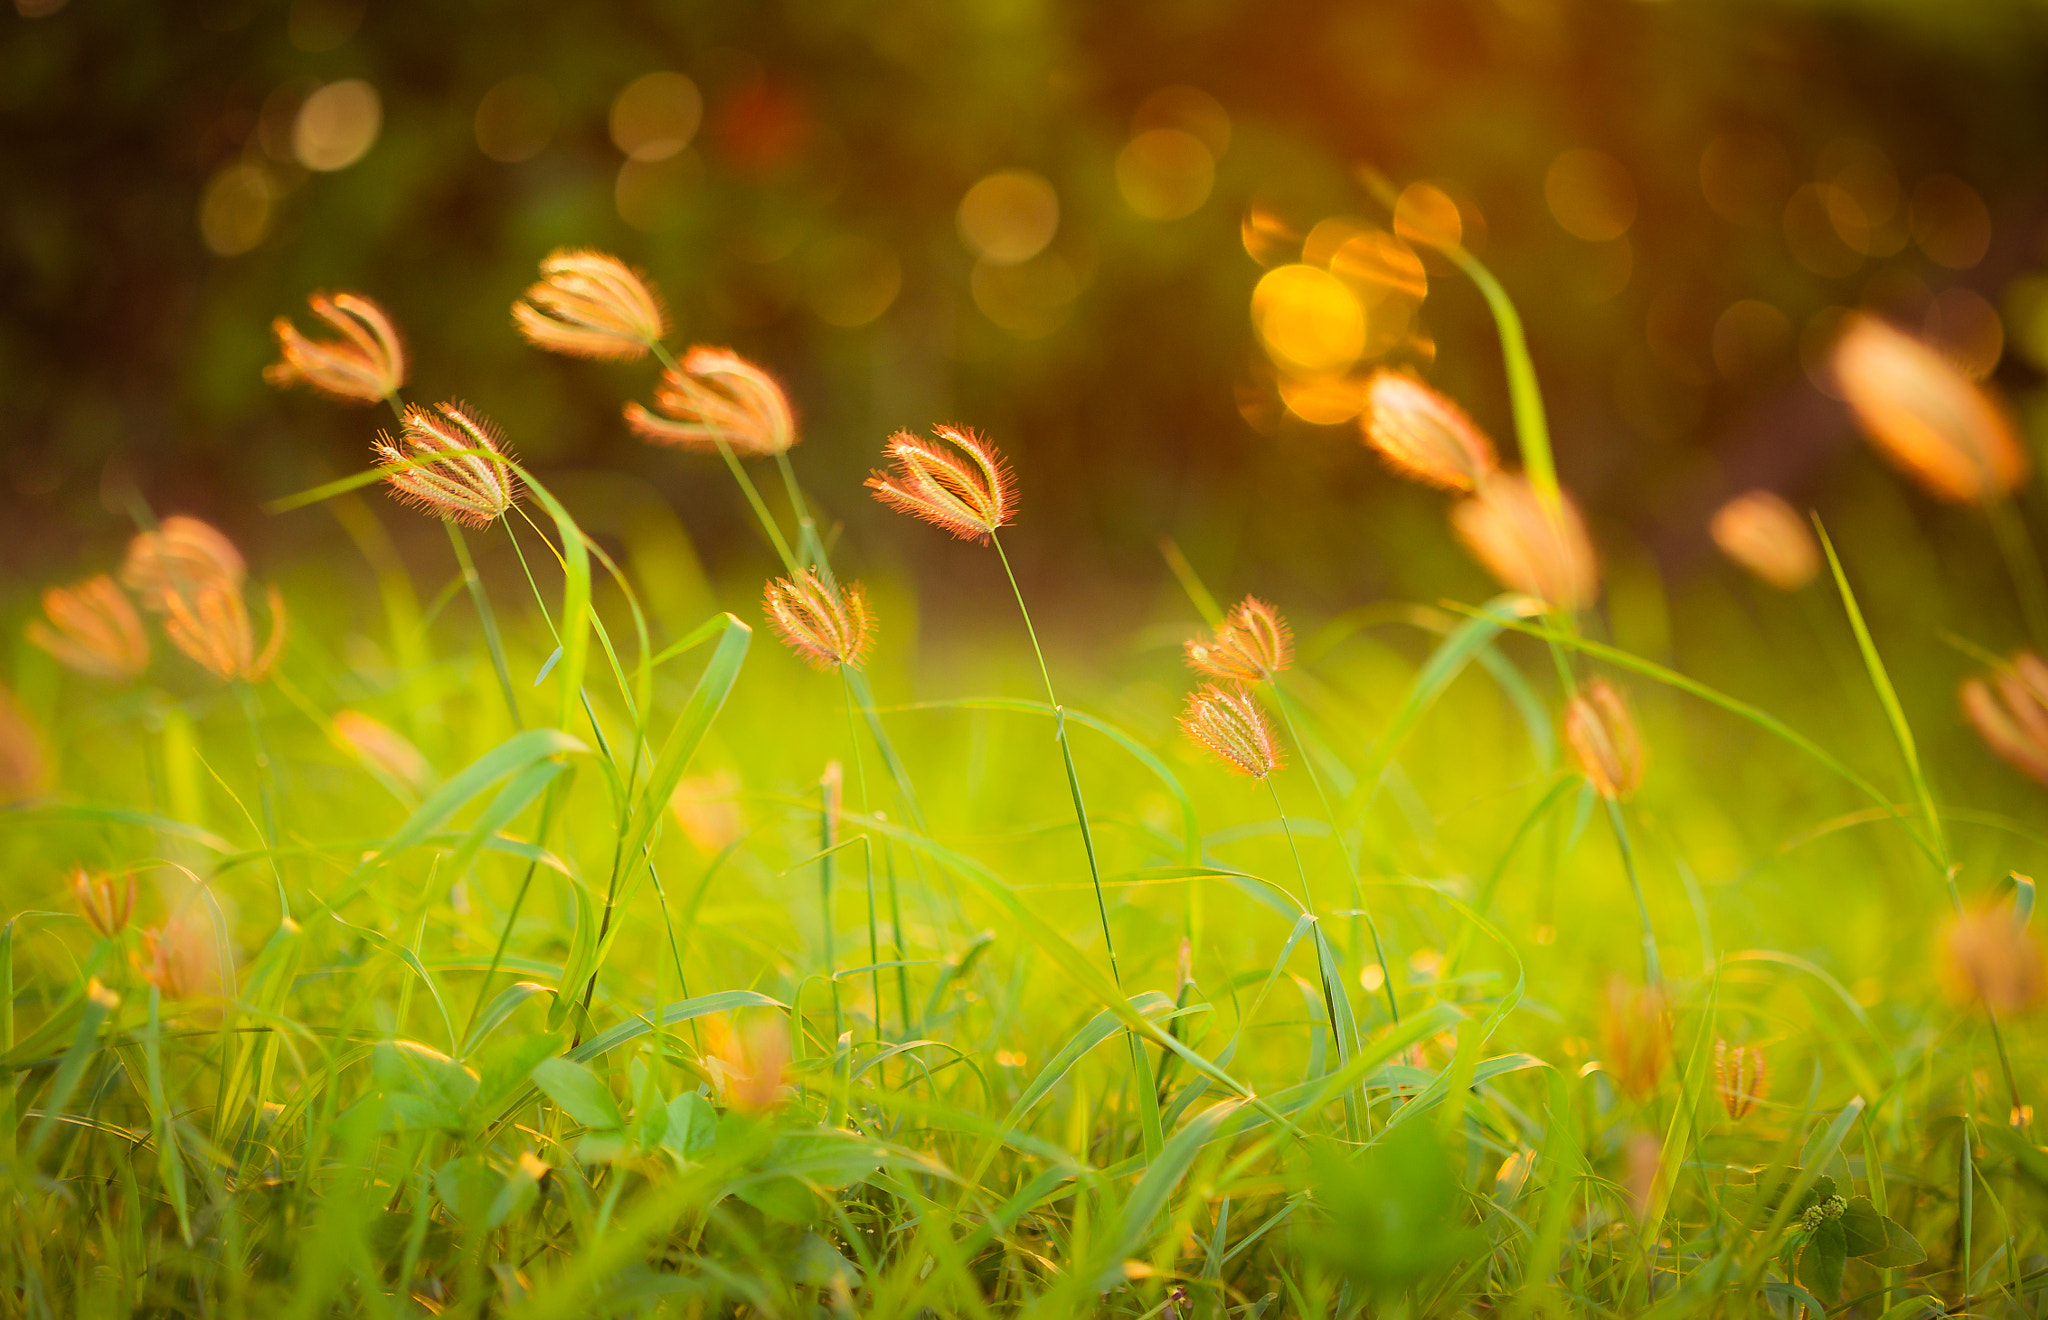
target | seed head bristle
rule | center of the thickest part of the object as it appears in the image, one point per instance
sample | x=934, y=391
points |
x=1989, y=957
x=365, y=365
x=1603, y=739
x=1421, y=434
x=969, y=494
x=431, y=466
x=180, y=558
x=1228, y=722
x=1742, y=1077
x=104, y=900
x=1636, y=1037
x=1926, y=415
x=212, y=628
x=715, y=394
x=1252, y=644
x=827, y=625
x=1526, y=545
x=178, y=959
x=93, y=629
x=591, y=305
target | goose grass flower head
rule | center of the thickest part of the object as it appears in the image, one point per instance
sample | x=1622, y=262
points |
x=1988, y=957
x=178, y=958
x=182, y=557
x=590, y=305
x=365, y=365
x=1926, y=415
x=1422, y=435
x=969, y=493
x=1252, y=644
x=1603, y=739
x=1527, y=545
x=1765, y=535
x=715, y=394
x=1635, y=1035
x=93, y=629
x=105, y=901
x=2010, y=713
x=24, y=763
x=212, y=628
x=432, y=466
x=826, y=624
x=1227, y=722
x=1742, y=1078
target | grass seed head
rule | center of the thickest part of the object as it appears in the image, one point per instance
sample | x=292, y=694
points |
x=93, y=629
x=212, y=628
x=1765, y=535
x=1604, y=740
x=969, y=493
x=1636, y=1036
x=1230, y=724
x=383, y=748
x=1422, y=435
x=1925, y=415
x=2010, y=713
x=1742, y=1078
x=431, y=465
x=365, y=365
x=591, y=305
x=752, y=1064
x=1253, y=643
x=104, y=900
x=715, y=394
x=1526, y=545
x=1989, y=958
x=827, y=625
x=180, y=558
x=178, y=959
x=24, y=764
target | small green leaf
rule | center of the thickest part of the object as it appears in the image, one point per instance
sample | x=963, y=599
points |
x=1900, y=1248
x=692, y=1125
x=578, y=1091
x=1820, y=1265
x=1863, y=1227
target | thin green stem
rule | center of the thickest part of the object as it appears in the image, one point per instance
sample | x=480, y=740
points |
x=1653, y=968
x=860, y=779
x=540, y=839
x=488, y=619
x=809, y=545
x=266, y=778
x=828, y=815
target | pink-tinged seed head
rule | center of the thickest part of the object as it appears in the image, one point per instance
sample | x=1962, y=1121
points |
x=365, y=365
x=591, y=305
x=969, y=493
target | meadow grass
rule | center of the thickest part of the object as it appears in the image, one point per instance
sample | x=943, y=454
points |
x=640, y=970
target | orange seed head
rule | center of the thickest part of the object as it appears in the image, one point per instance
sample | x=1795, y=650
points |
x=433, y=467
x=1229, y=724
x=93, y=629
x=827, y=625
x=1252, y=643
x=591, y=305
x=1926, y=415
x=969, y=493
x=365, y=365
x=1603, y=738
x=1423, y=435
x=715, y=394
x=1527, y=546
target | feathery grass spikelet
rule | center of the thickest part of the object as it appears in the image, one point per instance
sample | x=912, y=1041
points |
x=384, y=749
x=1526, y=545
x=715, y=394
x=827, y=625
x=430, y=465
x=1252, y=644
x=1927, y=416
x=2010, y=713
x=24, y=764
x=365, y=365
x=178, y=958
x=1988, y=957
x=93, y=629
x=1742, y=1078
x=104, y=901
x=1229, y=723
x=1422, y=435
x=969, y=494
x=1765, y=535
x=1635, y=1034
x=181, y=557
x=1603, y=739
x=591, y=305
x=212, y=628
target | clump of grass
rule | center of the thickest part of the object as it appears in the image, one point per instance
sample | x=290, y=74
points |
x=545, y=1010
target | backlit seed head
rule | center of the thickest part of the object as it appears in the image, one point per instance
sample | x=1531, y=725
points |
x=180, y=558
x=24, y=765
x=432, y=465
x=93, y=629
x=1765, y=535
x=1988, y=957
x=382, y=748
x=969, y=493
x=708, y=809
x=1741, y=1077
x=212, y=628
x=178, y=958
x=104, y=900
x=1252, y=643
x=590, y=305
x=365, y=365
x=715, y=394
x=1604, y=740
x=2010, y=713
x=1635, y=1034
x=1528, y=546
x=825, y=624
x=1229, y=723
x=751, y=1065
x=1423, y=435
x=1926, y=415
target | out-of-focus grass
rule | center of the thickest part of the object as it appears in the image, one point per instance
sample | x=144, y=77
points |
x=350, y=1118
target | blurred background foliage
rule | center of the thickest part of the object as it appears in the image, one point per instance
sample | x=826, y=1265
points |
x=1044, y=218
